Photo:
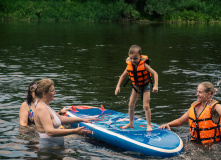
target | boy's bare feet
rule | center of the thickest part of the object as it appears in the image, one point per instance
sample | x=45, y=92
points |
x=128, y=126
x=149, y=128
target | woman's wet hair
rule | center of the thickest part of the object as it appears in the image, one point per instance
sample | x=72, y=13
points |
x=43, y=86
x=31, y=89
x=209, y=87
x=135, y=49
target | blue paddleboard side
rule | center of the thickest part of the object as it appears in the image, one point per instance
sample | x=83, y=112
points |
x=107, y=128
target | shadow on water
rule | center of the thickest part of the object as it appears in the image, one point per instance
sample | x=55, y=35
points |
x=85, y=60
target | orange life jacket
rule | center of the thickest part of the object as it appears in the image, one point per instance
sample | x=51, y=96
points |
x=203, y=129
x=138, y=75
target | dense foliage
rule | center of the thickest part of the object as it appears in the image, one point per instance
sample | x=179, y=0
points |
x=111, y=10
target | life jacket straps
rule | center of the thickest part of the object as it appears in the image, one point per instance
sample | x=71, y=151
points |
x=197, y=128
x=126, y=82
x=199, y=120
x=149, y=78
x=198, y=139
x=135, y=74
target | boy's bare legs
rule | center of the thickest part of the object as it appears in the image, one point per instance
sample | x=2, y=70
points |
x=146, y=107
x=133, y=100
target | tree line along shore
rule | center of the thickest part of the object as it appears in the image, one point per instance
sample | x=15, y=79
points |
x=111, y=10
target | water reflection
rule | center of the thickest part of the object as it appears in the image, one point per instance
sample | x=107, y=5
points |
x=85, y=61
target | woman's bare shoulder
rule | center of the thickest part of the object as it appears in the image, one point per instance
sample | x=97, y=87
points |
x=24, y=105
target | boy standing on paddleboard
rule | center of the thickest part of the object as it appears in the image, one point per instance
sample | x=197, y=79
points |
x=139, y=73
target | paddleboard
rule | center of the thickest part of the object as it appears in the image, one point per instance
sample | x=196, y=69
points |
x=107, y=127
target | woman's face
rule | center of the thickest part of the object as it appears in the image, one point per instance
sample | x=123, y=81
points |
x=202, y=96
x=50, y=94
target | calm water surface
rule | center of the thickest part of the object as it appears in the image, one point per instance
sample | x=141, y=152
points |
x=85, y=60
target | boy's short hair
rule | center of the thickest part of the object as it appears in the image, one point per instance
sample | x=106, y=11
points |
x=135, y=49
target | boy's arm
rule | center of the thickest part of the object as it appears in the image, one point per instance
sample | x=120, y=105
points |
x=154, y=73
x=122, y=77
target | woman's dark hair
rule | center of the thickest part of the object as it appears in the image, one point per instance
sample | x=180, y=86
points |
x=29, y=95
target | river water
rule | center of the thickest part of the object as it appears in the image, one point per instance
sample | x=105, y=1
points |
x=85, y=61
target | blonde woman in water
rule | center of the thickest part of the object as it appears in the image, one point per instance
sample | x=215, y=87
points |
x=203, y=116
x=48, y=121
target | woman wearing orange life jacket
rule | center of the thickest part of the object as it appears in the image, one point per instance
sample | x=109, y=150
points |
x=203, y=116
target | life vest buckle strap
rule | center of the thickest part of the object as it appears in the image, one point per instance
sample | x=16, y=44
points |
x=126, y=82
x=205, y=119
x=204, y=129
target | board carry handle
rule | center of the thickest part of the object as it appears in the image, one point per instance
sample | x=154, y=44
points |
x=102, y=108
x=74, y=109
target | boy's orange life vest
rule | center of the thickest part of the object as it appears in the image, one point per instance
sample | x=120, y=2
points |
x=203, y=129
x=138, y=75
